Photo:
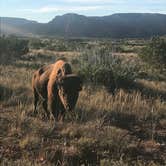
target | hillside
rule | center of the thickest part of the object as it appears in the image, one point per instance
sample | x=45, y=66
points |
x=128, y=25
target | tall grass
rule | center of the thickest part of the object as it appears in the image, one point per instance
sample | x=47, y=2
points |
x=126, y=128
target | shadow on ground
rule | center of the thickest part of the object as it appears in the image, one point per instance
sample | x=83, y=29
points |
x=5, y=93
x=143, y=129
x=144, y=90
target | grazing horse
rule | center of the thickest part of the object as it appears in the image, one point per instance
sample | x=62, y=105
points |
x=58, y=87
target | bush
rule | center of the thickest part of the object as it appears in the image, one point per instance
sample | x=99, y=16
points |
x=100, y=67
x=155, y=53
x=12, y=48
x=36, y=44
x=125, y=72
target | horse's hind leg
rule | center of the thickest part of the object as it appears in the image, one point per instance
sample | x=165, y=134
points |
x=36, y=99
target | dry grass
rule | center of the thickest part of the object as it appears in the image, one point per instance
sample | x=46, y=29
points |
x=159, y=86
x=69, y=54
x=125, y=129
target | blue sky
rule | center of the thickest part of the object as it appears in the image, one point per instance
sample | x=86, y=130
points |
x=45, y=10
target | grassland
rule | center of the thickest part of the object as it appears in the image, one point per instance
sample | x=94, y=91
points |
x=128, y=128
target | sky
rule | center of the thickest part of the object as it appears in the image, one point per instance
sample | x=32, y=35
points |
x=46, y=10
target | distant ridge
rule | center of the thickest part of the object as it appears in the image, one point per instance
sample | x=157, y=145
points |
x=122, y=25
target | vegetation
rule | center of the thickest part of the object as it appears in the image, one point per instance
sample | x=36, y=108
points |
x=102, y=67
x=155, y=53
x=12, y=48
x=127, y=128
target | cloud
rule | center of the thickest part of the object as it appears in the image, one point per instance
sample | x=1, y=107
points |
x=48, y=9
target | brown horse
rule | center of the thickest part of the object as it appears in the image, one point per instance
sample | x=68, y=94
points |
x=58, y=87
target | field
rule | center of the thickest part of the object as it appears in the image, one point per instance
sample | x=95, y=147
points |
x=127, y=128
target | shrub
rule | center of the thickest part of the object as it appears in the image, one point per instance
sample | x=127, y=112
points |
x=155, y=53
x=12, y=48
x=36, y=44
x=101, y=67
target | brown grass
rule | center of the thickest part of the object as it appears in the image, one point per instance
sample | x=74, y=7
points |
x=125, y=129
